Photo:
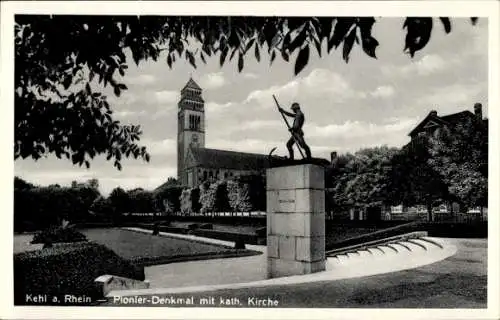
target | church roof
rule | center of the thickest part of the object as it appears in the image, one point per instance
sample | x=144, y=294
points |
x=224, y=159
x=191, y=84
x=167, y=185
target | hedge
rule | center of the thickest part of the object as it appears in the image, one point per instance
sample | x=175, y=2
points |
x=227, y=236
x=214, y=234
x=40, y=207
x=57, y=235
x=68, y=269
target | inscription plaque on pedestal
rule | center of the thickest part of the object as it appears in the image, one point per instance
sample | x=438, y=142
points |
x=295, y=220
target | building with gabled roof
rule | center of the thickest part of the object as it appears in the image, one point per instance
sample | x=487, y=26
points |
x=195, y=163
x=433, y=121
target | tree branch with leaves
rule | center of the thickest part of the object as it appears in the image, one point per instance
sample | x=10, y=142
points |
x=64, y=63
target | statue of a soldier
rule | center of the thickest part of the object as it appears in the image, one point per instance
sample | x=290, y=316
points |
x=296, y=130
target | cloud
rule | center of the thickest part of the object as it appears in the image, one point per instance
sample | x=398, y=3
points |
x=262, y=146
x=450, y=96
x=143, y=79
x=430, y=64
x=318, y=82
x=127, y=98
x=425, y=66
x=166, y=96
x=250, y=127
x=383, y=92
x=161, y=147
x=361, y=129
x=250, y=75
x=259, y=124
x=128, y=113
x=213, y=80
x=212, y=106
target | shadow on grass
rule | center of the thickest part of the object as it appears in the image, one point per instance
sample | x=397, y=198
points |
x=467, y=286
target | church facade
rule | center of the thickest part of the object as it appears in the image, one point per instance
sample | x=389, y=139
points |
x=195, y=163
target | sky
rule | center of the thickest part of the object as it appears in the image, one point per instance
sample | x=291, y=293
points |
x=348, y=106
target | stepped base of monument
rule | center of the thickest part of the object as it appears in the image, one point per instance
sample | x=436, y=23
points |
x=276, y=162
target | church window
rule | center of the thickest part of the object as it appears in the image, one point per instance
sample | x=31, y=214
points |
x=225, y=175
x=211, y=174
x=205, y=175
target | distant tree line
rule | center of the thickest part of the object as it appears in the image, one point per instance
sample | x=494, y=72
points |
x=444, y=167
x=37, y=207
x=449, y=165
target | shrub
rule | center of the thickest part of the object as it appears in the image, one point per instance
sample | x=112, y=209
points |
x=207, y=197
x=221, y=197
x=165, y=223
x=58, y=234
x=171, y=197
x=193, y=226
x=156, y=229
x=246, y=193
x=43, y=206
x=189, y=200
x=185, y=201
x=239, y=243
x=261, y=232
x=69, y=269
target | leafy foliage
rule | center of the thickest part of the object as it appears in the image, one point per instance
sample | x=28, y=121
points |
x=168, y=199
x=21, y=184
x=68, y=269
x=221, y=197
x=132, y=201
x=45, y=206
x=185, y=202
x=63, y=63
x=360, y=180
x=461, y=157
x=207, y=197
x=57, y=235
x=102, y=206
x=414, y=180
x=369, y=185
x=239, y=194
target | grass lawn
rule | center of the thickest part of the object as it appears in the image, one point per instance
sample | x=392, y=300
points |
x=147, y=249
x=460, y=281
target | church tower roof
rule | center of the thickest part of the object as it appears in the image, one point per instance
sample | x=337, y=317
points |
x=192, y=85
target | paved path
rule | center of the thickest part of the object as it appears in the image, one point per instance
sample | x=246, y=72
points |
x=458, y=281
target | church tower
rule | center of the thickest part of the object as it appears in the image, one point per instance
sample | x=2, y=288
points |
x=190, y=125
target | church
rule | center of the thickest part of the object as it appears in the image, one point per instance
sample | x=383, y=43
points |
x=195, y=163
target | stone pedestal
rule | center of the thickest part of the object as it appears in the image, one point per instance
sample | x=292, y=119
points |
x=295, y=220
